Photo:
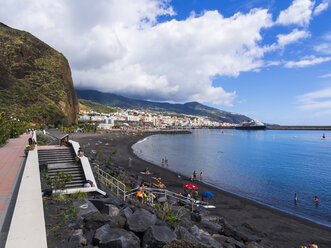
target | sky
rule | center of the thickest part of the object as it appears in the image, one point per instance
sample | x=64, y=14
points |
x=267, y=59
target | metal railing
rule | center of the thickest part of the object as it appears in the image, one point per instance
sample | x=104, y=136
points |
x=110, y=181
x=120, y=188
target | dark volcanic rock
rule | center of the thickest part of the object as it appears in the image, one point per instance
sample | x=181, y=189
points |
x=36, y=78
x=115, y=238
x=85, y=207
x=211, y=227
x=112, y=210
x=185, y=244
x=141, y=220
x=126, y=212
x=77, y=239
x=229, y=230
x=96, y=220
x=157, y=237
x=183, y=233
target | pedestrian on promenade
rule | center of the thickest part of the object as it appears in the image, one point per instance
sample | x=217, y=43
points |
x=201, y=176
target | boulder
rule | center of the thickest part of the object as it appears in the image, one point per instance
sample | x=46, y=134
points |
x=113, y=211
x=211, y=227
x=234, y=242
x=126, y=212
x=118, y=221
x=115, y=238
x=140, y=220
x=253, y=245
x=157, y=237
x=203, y=236
x=229, y=230
x=96, y=220
x=111, y=199
x=184, y=244
x=77, y=239
x=195, y=217
x=85, y=207
x=207, y=239
x=183, y=233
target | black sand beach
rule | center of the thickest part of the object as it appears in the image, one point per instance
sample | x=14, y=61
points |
x=276, y=228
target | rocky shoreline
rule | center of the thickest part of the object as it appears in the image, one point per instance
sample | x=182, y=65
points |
x=236, y=222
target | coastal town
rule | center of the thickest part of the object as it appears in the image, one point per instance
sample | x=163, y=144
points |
x=137, y=119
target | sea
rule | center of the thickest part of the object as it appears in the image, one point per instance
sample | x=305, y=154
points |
x=267, y=166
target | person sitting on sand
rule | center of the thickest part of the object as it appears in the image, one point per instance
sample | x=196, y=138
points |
x=195, y=195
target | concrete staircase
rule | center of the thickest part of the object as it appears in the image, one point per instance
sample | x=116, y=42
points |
x=62, y=160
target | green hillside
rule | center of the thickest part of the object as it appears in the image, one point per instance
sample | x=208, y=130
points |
x=35, y=79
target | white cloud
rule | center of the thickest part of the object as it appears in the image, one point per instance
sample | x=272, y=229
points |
x=298, y=13
x=295, y=35
x=325, y=76
x=321, y=7
x=325, y=46
x=118, y=46
x=309, y=61
x=317, y=101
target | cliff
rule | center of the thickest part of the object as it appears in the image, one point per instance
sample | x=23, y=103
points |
x=35, y=80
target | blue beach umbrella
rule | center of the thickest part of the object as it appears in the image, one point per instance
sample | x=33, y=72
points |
x=207, y=195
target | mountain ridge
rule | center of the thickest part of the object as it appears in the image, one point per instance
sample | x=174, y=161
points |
x=190, y=108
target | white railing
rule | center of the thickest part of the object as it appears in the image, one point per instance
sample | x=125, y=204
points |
x=120, y=188
x=110, y=181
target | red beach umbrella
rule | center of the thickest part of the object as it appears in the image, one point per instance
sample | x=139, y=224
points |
x=190, y=186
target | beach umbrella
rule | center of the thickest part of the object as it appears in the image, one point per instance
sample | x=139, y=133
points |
x=207, y=195
x=190, y=186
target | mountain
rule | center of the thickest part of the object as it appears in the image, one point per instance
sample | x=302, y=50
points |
x=190, y=108
x=87, y=105
x=35, y=80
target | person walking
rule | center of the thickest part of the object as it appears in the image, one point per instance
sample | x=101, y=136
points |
x=201, y=176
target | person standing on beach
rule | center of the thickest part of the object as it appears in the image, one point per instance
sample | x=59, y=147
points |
x=194, y=175
x=201, y=176
x=162, y=162
x=166, y=161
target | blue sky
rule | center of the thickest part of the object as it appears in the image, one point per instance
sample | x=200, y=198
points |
x=270, y=60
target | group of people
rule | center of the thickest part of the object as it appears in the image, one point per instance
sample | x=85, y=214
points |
x=165, y=162
x=194, y=176
x=315, y=199
x=146, y=196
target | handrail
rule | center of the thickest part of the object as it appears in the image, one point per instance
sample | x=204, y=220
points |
x=111, y=181
x=116, y=184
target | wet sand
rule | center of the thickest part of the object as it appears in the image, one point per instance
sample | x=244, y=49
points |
x=276, y=228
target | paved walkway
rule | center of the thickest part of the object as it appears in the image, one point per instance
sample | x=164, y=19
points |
x=11, y=162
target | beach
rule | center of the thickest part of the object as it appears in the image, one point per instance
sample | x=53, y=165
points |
x=276, y=228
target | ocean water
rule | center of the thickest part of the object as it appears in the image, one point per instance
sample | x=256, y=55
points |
x=266, y=166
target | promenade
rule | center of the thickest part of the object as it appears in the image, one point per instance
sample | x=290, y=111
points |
x=12, y=159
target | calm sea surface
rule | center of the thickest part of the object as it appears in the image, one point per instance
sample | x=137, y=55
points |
x=266, y=166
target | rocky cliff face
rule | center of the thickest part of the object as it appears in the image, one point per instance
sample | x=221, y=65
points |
x=35, y=80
